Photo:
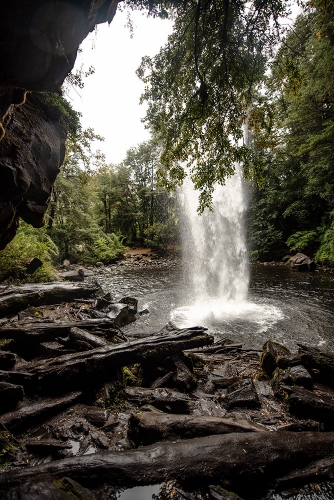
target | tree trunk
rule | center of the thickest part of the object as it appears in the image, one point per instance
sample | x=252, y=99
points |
x=15, y=299
x=73, y=370
x=258, y=458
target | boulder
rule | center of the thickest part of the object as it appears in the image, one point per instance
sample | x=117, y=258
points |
x=244, y=397
x=272, y=352
x=301, y=262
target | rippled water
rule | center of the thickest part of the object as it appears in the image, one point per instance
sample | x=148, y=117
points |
x=282, y=305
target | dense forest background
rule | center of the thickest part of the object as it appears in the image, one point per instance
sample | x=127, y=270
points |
x=98, y=210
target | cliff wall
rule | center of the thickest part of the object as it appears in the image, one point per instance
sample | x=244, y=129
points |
x=39, y=41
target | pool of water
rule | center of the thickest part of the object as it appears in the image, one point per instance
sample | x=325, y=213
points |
x=282, y=305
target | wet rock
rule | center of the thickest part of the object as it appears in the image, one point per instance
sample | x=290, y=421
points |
x=183, y=379
x=10, y=395
x=7, y=360
x=100, y=440
x=244, y=397
x=132, y=304
x=117, y=431
x=96, y=416
x=284, y=362
x=297, y=375
x=263, y=388
x=143, y=312
x=225, y=376
x=219, y=493
x=121, y=314
x=271, y=354
x=301, y=262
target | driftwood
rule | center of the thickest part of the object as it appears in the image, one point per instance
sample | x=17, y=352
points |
x=150, y=426
x=30, y=415
x=15, y=299
x=77, y=335
x=320, y=363
x=259, y=458
x=161, y=398
x=29, y=337
x=73, y=370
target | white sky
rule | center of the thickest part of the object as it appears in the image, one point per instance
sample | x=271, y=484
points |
x=109, y=101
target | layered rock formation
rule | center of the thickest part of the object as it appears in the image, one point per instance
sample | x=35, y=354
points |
x=38, y=46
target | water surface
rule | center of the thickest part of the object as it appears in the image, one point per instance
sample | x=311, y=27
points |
x=282, y=305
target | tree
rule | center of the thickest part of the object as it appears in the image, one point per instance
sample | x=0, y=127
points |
x=200, y=86
x=294, y=128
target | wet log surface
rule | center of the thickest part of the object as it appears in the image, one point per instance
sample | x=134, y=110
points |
x=78, y=368
x=165, y=407
x=226, y=458
x=14, y=299
x=149, y=427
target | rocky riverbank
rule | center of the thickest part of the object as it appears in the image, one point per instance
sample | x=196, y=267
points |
x=86, y=412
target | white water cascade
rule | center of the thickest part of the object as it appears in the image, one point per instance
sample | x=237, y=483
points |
x=216, y=260
x=214, y=243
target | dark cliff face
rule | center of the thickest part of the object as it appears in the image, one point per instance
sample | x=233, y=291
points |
x=39, y=40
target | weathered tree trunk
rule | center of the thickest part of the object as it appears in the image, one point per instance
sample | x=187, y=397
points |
x=319, y=362
x=150, y=427
x=161, y=398
x=29, y=338
x=31, y=414
x=14, y=299
x=73, y=370
x=259, y=458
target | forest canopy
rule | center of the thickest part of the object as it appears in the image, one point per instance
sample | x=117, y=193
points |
x=200, y=86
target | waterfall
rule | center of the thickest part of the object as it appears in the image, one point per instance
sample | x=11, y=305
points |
x=216, y=264
x=214, y=243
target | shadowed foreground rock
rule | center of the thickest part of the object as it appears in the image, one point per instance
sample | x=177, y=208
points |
x=259, y=458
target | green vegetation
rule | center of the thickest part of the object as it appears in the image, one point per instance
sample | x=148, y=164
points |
x=28, y=243
x=293, y=124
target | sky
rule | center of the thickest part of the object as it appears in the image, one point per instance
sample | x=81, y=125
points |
x=109, y=101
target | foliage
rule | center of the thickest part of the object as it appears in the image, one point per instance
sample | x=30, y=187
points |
x=293, y=125
x=200, y=86
x=28, y=244
x=325, y=252
x=129, y=200
x=302, y=240
x=161, y=236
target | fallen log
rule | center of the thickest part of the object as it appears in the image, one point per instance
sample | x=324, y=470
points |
x=73, y=370
x=319, y=362
x=150, y=427
x=15, y=299
x=44, y=332
x=29, y=337
x=259, y=458
x=161, y=398
x=31, y=414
